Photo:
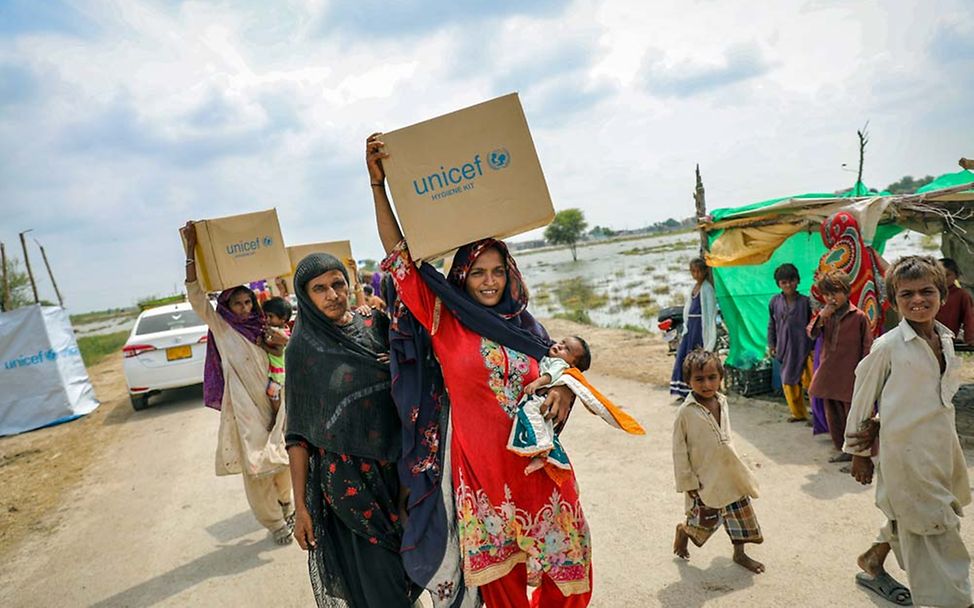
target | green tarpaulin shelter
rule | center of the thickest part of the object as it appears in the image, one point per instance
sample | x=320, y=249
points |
x=747, y=243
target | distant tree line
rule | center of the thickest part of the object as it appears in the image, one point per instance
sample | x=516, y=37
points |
x=908, y=185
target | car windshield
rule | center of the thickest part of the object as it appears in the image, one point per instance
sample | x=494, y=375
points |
x=179, y=319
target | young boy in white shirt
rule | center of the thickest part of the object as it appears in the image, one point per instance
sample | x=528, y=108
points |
x=718, y=485
x=921, y=475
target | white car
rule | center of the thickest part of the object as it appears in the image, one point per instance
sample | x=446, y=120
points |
x=166, y=349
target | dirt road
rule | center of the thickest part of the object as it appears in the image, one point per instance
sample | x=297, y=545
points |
x=150, y=525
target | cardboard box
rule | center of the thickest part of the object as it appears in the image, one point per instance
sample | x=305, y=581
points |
x=340, y=249
x=465, y=176
x=237, y=249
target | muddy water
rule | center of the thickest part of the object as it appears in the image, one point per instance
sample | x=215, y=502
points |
x=103, y=327
x=626, y=283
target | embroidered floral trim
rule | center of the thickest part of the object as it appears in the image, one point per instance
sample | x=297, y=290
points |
x=431, y=440
x=555, y=540
x=398, y=262
x=507, y=369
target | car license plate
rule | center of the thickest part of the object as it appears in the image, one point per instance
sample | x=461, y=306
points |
x=176, y=353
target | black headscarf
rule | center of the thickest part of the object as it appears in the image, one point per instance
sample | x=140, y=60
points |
x=338, y=394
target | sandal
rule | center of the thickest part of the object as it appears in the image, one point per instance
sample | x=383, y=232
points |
x=886, y=587
x=843, y=457
x=289, y=514
x=284, y=535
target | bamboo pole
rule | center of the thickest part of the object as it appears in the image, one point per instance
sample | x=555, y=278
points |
x=5, y=294
x=60, y=300
x=30, y=273
x=701, y=206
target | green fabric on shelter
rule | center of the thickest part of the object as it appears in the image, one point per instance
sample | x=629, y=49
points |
x=860, y=189
x=743, y=292
x=885, y=232
x=726, y=212
x=947, y=180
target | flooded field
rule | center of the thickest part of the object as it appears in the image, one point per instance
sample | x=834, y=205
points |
x=621, y=283
x=626, y=283
x=105, y=326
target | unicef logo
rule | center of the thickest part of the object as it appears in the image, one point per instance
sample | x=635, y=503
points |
x=267, y=241
x=499, y=159
x=50, y=354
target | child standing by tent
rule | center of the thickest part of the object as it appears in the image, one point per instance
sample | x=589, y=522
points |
x=921, y=476
x=789, y=314
x=846, y=338
x=718, y=486
x=699, y=323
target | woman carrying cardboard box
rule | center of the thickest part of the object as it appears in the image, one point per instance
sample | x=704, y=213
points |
x=251, y=436
x=509, y=530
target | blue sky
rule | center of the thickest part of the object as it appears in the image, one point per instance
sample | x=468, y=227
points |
x=120, y=120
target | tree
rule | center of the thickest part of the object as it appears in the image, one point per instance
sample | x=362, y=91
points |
x=601, y=232
x=908, y=185
x=368, y=265
x=566, y=229
x=19, y=285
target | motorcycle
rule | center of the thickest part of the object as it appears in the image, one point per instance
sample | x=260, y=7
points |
x=670, y=323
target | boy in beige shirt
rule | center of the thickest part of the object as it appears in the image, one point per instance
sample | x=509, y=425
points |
x=718, y=486
x=921, y=475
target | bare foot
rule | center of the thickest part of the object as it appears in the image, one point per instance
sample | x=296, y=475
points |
x=680, y=548
x=741, y=559
x=871, y=562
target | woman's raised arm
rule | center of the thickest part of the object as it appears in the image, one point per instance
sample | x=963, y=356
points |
x=189, y=233
x=389, y=232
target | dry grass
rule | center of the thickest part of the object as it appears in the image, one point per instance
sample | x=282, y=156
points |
x=38, y=469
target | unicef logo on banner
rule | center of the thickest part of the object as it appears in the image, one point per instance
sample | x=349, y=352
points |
x=40, y=357
x=499, y=159
x=268, y=241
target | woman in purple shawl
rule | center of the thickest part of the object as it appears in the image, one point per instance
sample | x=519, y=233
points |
x=251, y=436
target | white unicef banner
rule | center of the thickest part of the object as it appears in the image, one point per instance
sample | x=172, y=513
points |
x=42, y=376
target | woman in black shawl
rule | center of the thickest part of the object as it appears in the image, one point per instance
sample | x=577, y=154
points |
x=343, y=442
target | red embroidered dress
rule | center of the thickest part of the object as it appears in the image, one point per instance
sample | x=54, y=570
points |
x=504, y=517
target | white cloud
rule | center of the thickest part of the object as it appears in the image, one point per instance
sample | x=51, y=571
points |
x=118, y=121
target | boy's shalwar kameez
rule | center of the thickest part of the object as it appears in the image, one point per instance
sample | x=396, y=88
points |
x=846, y=339
x=787, y=322
x=704, y=459
x=921, y=476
